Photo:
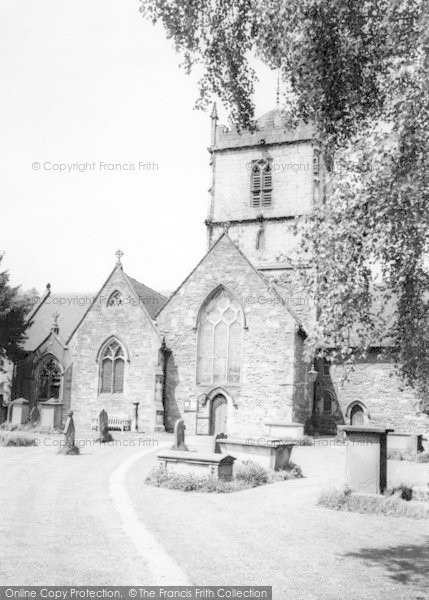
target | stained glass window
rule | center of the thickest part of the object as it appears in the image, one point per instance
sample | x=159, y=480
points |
x=49, y=379
x=112, y=369
x=219, y=340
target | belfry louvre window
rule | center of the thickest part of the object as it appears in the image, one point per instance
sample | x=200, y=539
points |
x=261, y=184
x=112, y=369
x=219, y=340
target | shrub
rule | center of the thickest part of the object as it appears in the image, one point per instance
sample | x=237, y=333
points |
x=402, y=491
x=422, y=457
x=17, y=440
x=293, y=471
x=8, y=426
x=250, y=473
x=389, y=505
x=247, y=475
x=158, y=477
x=29, y=427
x=69, y=451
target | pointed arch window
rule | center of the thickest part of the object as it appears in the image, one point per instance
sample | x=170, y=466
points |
x=115, y=299
x=50, y=374
x=261, y=184
x=220, y=331
x=112, y=367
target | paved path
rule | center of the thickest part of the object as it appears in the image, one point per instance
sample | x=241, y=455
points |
x=58, y=524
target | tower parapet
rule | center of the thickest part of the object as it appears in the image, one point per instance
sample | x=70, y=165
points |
x=269, y=129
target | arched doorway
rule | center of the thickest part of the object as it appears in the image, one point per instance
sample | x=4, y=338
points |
x=219, y=415
x=357, y=416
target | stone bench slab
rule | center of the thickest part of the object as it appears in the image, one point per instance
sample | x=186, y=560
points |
x=197, y=463
x=270, y=453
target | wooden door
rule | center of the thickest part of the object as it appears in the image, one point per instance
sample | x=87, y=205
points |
x=219, y=415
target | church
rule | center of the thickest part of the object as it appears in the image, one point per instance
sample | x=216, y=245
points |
x=225, y=351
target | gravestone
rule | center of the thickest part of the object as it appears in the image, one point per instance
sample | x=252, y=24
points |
x=20, y=411
x=179, y=435
x=366, y=464
x=103, y=427
x=69, y=433
x=34, y=415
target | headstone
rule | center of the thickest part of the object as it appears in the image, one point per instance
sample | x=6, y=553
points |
x=103, y=427
x=35, y=415
x=179, y=435
x=103, y=420
x=20, y=411
x=69, y=433
x=219, y=436
x=366, y=464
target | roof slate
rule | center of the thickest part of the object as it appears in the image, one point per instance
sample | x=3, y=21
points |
x=70, y=308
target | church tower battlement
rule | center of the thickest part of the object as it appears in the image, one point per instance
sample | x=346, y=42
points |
x=262, y=181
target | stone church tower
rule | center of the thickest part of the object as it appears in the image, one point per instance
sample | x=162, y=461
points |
x=261, y=182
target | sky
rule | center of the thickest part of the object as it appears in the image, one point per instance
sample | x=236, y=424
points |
x=87, y=85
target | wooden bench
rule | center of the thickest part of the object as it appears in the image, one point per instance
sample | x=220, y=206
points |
x=119, y=421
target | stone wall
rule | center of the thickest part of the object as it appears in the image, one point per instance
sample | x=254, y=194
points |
x=266, y=390
x=132, y=326
x=374, y=384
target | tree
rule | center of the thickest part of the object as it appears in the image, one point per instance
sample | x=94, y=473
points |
x=359, y=72
x=13, y=310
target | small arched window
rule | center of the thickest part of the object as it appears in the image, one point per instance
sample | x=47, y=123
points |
x=115, y=299
x=220, y=329
x=261, y=184
x=50, y=374
x=112, y=366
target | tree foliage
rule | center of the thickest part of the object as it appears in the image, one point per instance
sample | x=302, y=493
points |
x=13, y=310
x=359, y=72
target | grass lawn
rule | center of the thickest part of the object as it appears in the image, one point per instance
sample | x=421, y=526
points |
x=275, y=535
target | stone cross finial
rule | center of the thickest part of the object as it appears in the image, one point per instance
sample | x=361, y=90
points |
x=119, y=254
x=226, y=225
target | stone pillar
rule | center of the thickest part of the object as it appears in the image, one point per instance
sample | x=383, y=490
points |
x=366, y=464
x=159, y=406
x=135, y=423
